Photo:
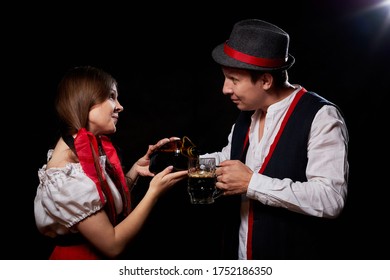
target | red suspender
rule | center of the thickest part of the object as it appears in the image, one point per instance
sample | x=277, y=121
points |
x=263, y=166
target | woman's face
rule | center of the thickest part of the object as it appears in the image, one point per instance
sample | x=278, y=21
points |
x=104, y=116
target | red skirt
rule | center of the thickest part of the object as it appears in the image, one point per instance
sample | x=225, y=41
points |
x=75, y=252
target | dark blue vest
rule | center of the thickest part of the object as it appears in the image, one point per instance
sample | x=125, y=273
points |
x=279, y=233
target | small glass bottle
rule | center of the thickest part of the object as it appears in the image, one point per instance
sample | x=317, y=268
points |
x=174, y=153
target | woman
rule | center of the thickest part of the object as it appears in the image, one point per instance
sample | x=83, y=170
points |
x=83, y=197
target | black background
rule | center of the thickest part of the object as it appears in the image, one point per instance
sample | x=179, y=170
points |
x=160, y=55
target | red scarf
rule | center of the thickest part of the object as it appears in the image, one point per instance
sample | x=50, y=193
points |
x=87, y=150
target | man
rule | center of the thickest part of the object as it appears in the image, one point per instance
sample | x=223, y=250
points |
x=286, y=157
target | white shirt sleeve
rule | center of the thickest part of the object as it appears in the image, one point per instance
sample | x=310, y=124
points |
x=324, y=192
x=64, y=197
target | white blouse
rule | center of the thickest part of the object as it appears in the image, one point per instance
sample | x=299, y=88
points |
x=66, y=196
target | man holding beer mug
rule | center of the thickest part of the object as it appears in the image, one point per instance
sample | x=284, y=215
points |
x=286, y=157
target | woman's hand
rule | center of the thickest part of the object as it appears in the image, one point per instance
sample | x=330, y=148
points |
x=141, y=167
x=165, y=179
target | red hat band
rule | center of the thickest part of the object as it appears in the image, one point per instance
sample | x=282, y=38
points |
x=258, y=61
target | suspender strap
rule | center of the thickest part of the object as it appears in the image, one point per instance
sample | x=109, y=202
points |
x=266, y=160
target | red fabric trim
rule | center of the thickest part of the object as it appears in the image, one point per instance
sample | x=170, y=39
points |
x=246, y=141
x=286, y=117
x=250, y=232
x=87, y=150
x=84, y=142
x=266, y=160
x=258, y=61
x=112, y=155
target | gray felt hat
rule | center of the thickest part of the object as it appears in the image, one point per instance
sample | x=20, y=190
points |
x=255, y=45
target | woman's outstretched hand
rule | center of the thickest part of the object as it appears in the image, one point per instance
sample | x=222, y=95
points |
x=165, y=179
x=142, y=164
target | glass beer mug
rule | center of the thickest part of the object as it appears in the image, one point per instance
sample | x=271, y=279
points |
x=202, y=181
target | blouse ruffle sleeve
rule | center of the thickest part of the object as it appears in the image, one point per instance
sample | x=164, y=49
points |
x=64, y=197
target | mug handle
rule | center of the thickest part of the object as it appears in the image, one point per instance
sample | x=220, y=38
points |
x=217, y=193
